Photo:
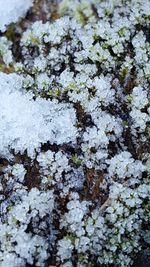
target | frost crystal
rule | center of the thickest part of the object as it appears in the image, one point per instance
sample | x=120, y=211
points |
x=25, y=123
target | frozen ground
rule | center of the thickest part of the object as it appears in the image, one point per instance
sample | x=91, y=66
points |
x=74, y=133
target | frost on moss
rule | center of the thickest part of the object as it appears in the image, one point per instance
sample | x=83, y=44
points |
x=74, y=136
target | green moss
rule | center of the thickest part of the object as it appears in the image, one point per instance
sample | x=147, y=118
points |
x=129, y=98
x=34, y=40
x=72, y=86
x=105, y=45
x=55, y=92
x=9, y=208
x=76, y=160
x=71, y=237
x=8, y=236
x=50, y=178
x=121, y=32
x=2, y=67
x=15, y=221
x=124, y=72
x=11, y=31
x=125, y=124
x=108, y=12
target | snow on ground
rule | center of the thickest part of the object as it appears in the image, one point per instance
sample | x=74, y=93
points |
x=26, y=123
x=12, y=11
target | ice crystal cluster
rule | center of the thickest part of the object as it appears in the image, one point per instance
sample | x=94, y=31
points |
x=74, y=133
x=51, y=121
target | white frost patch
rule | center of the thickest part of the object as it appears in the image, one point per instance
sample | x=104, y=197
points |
x=25, y=123
x=12, y=10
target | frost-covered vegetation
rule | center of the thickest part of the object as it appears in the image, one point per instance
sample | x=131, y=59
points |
x=74, y=133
